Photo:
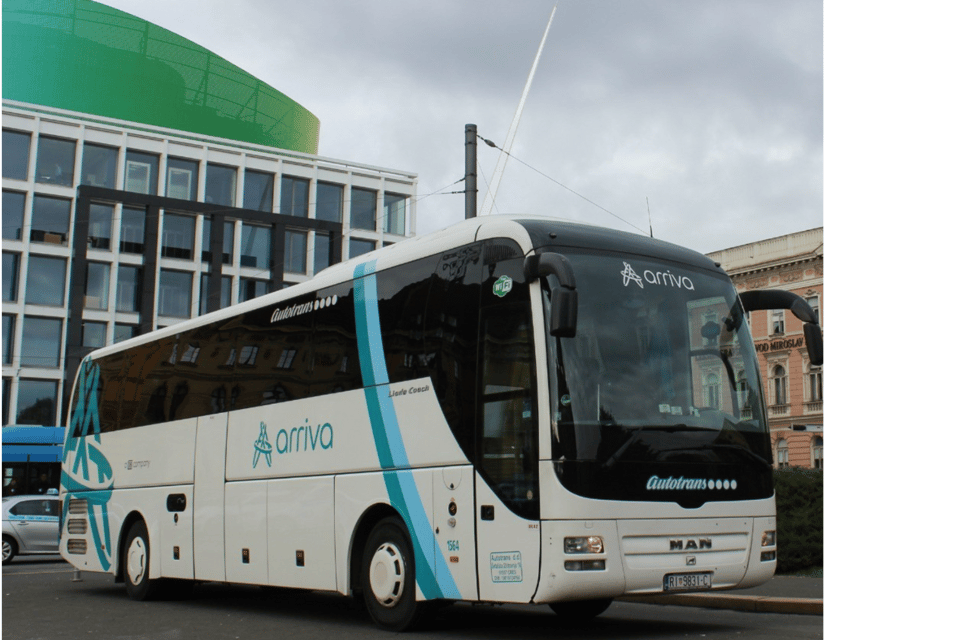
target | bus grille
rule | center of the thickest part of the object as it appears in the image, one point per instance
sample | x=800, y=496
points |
x=76, y=546
x=77, y=526
x=78, y=507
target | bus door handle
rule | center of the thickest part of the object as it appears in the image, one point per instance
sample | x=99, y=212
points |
x=176, y=502
x=486, y=512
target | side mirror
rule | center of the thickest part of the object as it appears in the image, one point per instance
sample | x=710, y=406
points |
x=563, y=317
x=777, y=299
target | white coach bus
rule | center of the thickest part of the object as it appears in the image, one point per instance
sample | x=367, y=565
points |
x=509, y=410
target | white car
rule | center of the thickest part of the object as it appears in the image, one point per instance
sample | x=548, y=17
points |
x=31, y=524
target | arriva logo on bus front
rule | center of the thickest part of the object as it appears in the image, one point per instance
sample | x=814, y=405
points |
x=294, y=440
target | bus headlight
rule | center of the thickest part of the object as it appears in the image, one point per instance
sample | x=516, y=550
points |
x=768, y=539
x=583, y=544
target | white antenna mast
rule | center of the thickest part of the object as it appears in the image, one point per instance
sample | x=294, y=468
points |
x=512, y=132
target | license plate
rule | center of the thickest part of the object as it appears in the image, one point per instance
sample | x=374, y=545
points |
x=687, y=581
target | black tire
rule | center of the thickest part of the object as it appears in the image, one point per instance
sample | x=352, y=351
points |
x=580, y=610
x=388, y=575
x=10, y=549
x=136, y=564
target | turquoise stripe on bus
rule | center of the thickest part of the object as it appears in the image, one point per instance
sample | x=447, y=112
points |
x=401, y=485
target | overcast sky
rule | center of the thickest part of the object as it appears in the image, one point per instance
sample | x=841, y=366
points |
x=711, y=109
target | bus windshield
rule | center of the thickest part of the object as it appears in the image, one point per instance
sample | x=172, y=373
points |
x=658, y=396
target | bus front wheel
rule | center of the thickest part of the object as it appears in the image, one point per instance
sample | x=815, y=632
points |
x=136, y=566
x=389, y=577
x=580, y=609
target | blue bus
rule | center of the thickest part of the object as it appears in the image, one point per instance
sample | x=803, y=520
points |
x=31, y=459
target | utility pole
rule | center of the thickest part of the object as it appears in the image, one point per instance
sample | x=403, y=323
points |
x=470, y=173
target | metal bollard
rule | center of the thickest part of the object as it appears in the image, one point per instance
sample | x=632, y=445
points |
x=76, y=576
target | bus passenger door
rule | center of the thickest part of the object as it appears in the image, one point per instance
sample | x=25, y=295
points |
x=507, y=482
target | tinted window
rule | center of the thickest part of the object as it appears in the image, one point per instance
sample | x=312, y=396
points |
x=132, y=226
x=37, y=402
x=101, y=226
x=99, y=167
x=16, y=154
x=51, y=220
x=46, y=280
x=55, y=159
x=40, y=346
x=363, y=209
x=178, y=233
x=294, y=196
x=221, y=185
x=257, y=190
x=13, y=204
x=141, y=172
x=329, y=202
x=182, y=178
x=403, y=293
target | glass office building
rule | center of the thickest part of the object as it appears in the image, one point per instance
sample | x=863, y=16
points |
x=146, y=180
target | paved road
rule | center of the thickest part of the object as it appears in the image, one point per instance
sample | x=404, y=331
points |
x=41, y=602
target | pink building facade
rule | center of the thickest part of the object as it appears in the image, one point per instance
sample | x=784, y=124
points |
x=794, y=387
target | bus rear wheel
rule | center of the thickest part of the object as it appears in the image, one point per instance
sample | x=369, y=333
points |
x=574, y=610
x=389, y=577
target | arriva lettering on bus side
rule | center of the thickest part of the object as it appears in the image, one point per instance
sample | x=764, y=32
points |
x=509, y=410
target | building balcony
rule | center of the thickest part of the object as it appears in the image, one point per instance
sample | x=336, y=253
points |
x=813, y=407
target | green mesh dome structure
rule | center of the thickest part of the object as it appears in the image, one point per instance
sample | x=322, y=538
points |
x=83, y=56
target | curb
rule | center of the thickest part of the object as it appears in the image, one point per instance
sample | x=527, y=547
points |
x=761, y=604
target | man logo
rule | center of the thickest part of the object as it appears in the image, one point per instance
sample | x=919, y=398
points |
x=690, y=543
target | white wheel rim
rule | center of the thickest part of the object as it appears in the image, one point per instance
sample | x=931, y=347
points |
x=137, y=561
x=387, y=574
x=7, y=550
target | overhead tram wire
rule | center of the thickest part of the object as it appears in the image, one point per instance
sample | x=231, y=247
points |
x=555, y=181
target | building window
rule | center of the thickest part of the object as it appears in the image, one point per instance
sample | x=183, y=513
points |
x=128, y=288
x=251, y=288
x=125, y=332
x=783, y=454
x=46, y=279
x=178, y=234
x=818, y=453
x=321, y=252
x=294, y=196
x=363, y=209
x=98, y=286
x=226, y=283
x=712, y=389
x=140, y=174
x=227, y=241
x=779, y=385
x=16, y=154
x=221, y=185
x=11, y=276
x=40, y=346
x=814, y=302
x=777, y=321
x=55, y=158
x=182, y=178
x=255, y=246
x=815, y=378
x=37, y=402
x=132, y=226
x=295, y=252
x=395, y=213
x=101, y=226
x=330, y=202
x=51, y=220
x=9, y=323
x=257, y=190
x=99, y=168
x=94, y=334
x=359, y=247
x=13, y=207
x=174, y=293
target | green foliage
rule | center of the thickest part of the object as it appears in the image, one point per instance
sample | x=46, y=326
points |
x=799, y=518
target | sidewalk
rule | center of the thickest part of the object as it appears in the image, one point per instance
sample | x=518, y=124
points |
x=783, y=594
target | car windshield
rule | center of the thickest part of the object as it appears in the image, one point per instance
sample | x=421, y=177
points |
x=660, y=380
